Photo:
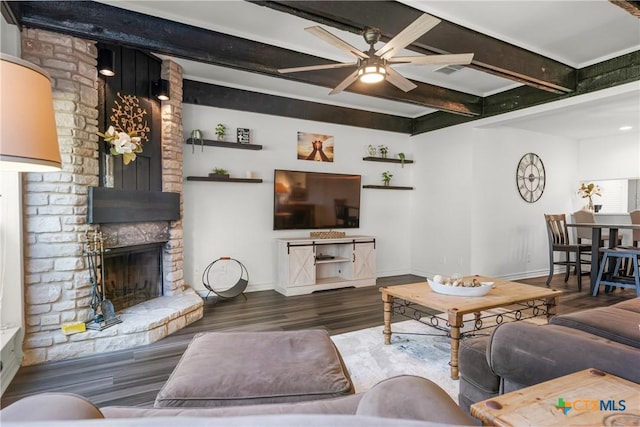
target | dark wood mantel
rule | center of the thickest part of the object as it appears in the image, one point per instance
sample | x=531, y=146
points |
x=110, y=205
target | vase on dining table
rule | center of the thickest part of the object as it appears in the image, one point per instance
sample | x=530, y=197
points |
x=590, y=204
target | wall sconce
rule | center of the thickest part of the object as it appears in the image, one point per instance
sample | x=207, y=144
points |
x=106, y=62
x=28, y=134
x=161, y=89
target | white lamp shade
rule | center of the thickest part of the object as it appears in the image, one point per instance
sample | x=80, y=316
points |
x=28, y=135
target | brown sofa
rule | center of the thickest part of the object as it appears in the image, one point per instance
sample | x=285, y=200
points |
x=520, y=354
x=400, y=401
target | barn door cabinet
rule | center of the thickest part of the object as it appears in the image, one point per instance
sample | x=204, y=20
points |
x=307, y=265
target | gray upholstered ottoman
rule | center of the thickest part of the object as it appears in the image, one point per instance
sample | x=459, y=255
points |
x=246, y=368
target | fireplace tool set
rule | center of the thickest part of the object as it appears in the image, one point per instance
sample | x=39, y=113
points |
x=104, y=314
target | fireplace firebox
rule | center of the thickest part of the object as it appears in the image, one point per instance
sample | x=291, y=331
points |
x=133, y=274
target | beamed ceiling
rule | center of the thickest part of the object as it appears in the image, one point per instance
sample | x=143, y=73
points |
x=256, y=38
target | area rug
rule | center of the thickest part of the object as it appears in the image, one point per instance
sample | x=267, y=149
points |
x=369, y=360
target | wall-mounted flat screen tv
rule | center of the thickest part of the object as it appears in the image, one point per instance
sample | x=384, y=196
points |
x=311, y=200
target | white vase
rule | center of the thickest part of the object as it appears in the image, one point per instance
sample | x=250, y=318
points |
x=107, y=169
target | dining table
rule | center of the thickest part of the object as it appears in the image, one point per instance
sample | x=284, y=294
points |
x=596, y=236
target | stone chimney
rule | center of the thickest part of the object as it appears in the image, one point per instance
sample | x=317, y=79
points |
x=57, y=286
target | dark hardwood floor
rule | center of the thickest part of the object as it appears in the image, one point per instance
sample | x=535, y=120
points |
x=133, y=377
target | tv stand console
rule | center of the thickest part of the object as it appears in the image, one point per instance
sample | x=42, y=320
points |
x=306, y=265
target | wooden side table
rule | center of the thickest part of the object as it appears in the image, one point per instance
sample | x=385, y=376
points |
x=585, y=398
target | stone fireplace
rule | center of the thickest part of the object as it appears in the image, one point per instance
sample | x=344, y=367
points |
x=56, y=207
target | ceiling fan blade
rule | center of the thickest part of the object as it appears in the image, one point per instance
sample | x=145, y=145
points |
x=407, y=36
x=345, y=83
x=317, y=67
x=336, y=42
x=454, y=59
x=398, y=80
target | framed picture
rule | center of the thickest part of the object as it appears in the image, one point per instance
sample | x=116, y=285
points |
x=315, y=147
x=243, y=135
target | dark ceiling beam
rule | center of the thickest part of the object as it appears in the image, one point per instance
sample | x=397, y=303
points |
x=633, y=7
x=490, y=54
x=613, y=72
x=108, y=24
x=237, y=99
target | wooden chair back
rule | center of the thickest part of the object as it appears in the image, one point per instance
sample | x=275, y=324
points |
x=584, y=216
x=557, y=229
x=635, y=219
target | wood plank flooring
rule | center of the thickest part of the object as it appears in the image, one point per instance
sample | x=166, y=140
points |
x=133, y=377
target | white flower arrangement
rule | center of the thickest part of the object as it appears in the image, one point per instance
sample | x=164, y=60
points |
x=128, y=130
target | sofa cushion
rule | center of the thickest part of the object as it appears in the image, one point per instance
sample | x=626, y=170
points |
x=244, y=368
x=527, y=354
x=618, y=323
x=345, y=405
x=474, y=366
x=248, y=421
x=477, y=380
x=390, y=398
x=631, y=305
x=50, y=407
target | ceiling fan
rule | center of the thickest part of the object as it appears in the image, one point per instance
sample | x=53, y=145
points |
x=373, y=66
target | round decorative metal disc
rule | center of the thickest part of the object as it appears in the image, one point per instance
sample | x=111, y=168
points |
x=530, y=177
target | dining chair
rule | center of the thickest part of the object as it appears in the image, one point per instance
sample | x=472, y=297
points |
x=635, y=219
x=616, y=277
x=560, y=243
x=584, y=216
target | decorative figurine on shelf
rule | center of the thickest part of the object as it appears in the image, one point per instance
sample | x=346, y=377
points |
x=386, y=178
x=401, y=156
x=588, y=191
x=221, y=131
x=372, y=150
x=383, y=149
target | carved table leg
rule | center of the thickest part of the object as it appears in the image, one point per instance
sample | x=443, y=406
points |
x=552, y=304
x=387, y=300
x=455, y=322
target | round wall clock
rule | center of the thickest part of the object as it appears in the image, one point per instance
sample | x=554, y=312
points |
x=530, y=177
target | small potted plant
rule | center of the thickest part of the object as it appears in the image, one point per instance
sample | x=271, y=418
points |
x=386, y=178
x=219, y=173
x=221, y=130
x=383, y=149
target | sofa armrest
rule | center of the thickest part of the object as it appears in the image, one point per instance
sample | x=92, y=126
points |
x=523, y=354
x=50, y=407
x=413, y=398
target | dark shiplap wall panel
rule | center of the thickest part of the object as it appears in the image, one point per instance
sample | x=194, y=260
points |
x=135, y=70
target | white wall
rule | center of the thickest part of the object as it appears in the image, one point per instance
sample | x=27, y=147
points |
x=465, y=214
x=611, y=157
x=236, y=219
x=468, y=216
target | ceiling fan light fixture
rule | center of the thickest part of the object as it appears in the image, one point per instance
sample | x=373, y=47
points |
x=371, y=73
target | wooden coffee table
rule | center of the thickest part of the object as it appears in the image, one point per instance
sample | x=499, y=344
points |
x=585, y=398
x=407, y=300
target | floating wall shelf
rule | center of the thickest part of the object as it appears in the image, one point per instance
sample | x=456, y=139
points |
x=220, y=179
x=225, y=144
x=385, y=159
x=387, y=187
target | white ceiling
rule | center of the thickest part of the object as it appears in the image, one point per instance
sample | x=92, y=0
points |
x=577, y=33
